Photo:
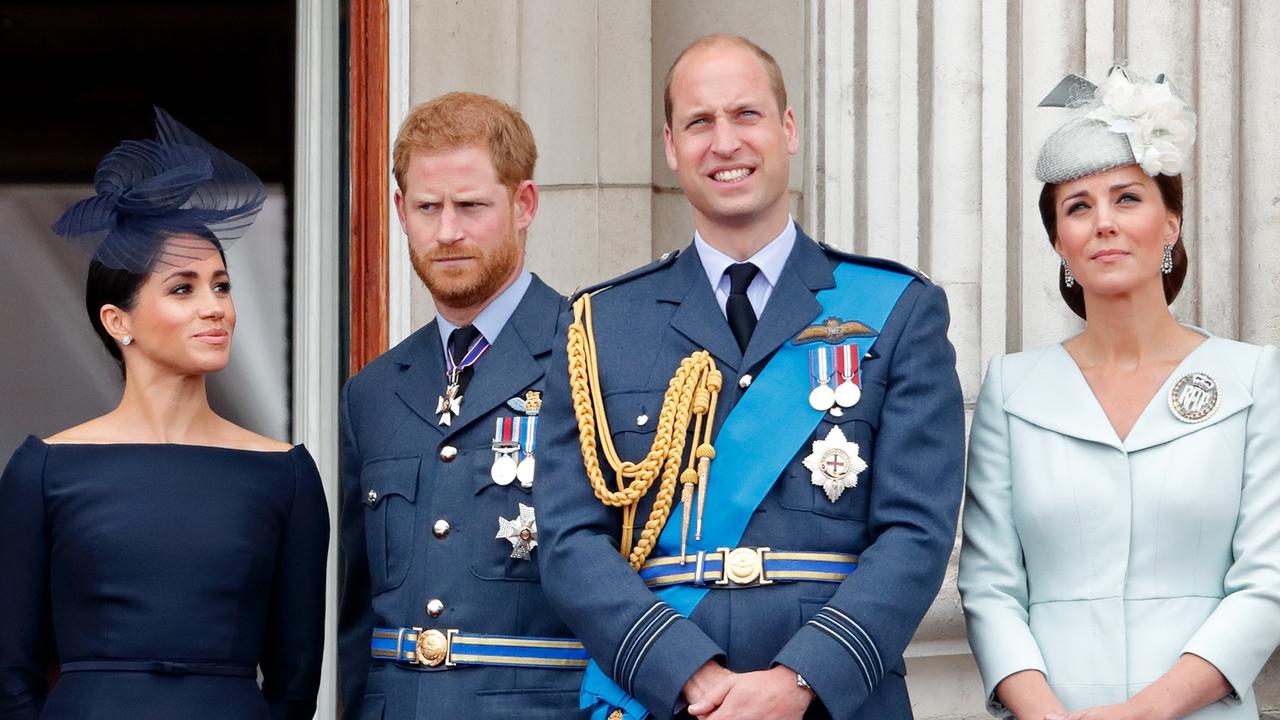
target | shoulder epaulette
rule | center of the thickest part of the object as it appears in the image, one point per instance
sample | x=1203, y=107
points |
x=879, y=262
x=663, y=260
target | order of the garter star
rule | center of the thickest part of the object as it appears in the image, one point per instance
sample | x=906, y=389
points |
x=834, y=463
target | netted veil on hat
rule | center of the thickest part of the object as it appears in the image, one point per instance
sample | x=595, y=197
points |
x=1124, y=121
x=167, y=201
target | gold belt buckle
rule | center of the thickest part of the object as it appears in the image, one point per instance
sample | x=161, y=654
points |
x=434, y=648
x=742, y=566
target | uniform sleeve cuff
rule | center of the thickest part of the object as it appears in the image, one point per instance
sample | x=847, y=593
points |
x=823, y=655
x=659, y=656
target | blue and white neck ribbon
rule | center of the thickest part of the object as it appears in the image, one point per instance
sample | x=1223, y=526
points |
x=453, y=367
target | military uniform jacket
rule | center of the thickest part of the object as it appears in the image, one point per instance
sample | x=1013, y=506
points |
x=1099, y=561
x=400, y=478
x=900, y=519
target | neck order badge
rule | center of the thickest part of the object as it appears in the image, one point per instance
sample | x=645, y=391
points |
x=449, y=405
x=750, y=454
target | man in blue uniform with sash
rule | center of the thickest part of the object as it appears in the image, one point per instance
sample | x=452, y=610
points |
x=441, y=612
x=757, y=443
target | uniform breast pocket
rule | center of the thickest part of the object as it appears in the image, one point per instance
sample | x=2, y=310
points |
x=391, y=487
x=633, y=421
x=506, y=527
x=842, y=460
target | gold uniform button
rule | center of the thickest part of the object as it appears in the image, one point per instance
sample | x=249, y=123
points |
x=448, y=453
x=435, y=607
x=744, y=382
x=441, y=528
x=641, y=420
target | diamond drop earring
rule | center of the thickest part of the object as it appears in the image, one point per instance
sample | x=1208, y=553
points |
x=1166, y=265
x=1067, y=278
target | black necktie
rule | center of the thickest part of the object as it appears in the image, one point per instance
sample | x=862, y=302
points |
x=460, y=341
x=742, y=319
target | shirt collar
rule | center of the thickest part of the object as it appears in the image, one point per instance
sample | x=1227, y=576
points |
x=769, y=258
x=495, y=315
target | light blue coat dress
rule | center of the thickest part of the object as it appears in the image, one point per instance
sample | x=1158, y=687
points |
x=1099, y=561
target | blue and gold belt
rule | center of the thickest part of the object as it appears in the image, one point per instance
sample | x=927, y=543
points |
x=451, y=648
x=746, y=567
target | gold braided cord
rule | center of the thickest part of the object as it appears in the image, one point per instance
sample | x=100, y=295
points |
x=691, y=393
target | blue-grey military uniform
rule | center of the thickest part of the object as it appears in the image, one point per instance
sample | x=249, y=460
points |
x=420, y=515
x=845, y=638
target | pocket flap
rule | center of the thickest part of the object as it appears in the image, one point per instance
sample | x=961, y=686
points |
x=382, y=477
x=633, y=411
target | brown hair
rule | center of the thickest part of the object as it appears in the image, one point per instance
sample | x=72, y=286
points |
x=1170, y=187
x=771, y=69
x=463, y=119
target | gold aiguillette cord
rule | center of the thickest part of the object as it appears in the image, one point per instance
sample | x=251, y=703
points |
x=691, y=394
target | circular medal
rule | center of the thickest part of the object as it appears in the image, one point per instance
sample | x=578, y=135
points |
x=848, y=394
x=1194, y=397
x=822, y=398
x=524, y=472
x=503, y=470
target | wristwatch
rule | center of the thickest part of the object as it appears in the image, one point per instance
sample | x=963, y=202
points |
x=801, y=682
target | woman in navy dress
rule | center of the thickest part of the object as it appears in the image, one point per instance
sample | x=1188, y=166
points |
x=159, y=554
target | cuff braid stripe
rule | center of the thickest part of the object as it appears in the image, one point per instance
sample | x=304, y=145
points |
x=627, y=639
x=631, y=676
x=866, y=676
x=858, y=634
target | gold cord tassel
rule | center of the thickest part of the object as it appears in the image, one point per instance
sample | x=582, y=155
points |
x=691, y=395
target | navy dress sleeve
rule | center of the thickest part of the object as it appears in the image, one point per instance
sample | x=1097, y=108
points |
x=25, y=637
x=294, y=643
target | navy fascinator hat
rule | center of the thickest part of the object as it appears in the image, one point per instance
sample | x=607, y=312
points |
x=154, y=198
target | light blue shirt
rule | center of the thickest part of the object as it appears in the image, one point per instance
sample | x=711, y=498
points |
x=495, y=315
x=769, y=259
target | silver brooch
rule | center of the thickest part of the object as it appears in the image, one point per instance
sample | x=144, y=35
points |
x=1194, y=397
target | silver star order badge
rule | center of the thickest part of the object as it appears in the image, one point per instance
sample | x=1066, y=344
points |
x=521, y=532
x=449, y=405
x=834, y=463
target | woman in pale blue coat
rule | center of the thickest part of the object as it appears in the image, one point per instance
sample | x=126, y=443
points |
x=1121, y=553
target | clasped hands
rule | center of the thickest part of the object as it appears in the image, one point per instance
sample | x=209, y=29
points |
x=715, y=693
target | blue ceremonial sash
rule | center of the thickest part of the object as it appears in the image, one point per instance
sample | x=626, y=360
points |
x=751, y=455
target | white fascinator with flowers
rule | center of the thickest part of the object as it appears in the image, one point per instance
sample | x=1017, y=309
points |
x=1124, y=121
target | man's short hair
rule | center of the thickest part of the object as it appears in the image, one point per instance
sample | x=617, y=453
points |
x=463, y=119
x=771, y=69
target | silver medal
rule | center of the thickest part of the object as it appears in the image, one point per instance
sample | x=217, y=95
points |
x=822, y=398
x=848, y=394
x=503, y=470
x=521, y=531
x=524, y=472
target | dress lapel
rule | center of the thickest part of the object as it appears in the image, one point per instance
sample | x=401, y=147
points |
x=1055, y=396
x=1158, y=425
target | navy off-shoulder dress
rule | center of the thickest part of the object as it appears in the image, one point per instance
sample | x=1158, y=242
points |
x=163, y=577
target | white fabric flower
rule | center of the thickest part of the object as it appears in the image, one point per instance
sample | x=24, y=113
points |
x=1160, y=126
